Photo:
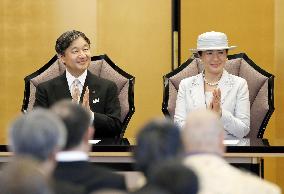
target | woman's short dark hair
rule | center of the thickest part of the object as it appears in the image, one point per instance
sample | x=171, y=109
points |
x=66, y=39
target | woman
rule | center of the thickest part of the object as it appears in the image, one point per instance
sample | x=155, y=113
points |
x=215, y=88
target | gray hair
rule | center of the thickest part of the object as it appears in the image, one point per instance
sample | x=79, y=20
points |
x=203, y=132
x=37, y=133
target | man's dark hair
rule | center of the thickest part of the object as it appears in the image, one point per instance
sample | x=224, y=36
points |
x=66, y=39
x=76, y=119
x=174, y=177
x=157, y=141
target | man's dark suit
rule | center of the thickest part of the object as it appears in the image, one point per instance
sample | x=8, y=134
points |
x=64, y=187
x=90, y=176
x=103, y=101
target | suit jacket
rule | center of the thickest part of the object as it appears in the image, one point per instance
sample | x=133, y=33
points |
x=216, y=176
x=103, y=101
x=63, y=187
x=90, y=176
x=234, y=102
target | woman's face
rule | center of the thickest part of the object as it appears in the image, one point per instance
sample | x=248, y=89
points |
x=214, y=61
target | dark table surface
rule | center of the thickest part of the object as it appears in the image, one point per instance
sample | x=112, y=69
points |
x=243, y=146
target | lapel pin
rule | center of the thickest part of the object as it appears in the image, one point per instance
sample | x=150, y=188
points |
x=96, y=100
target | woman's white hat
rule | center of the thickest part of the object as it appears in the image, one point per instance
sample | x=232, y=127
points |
x=212, y=41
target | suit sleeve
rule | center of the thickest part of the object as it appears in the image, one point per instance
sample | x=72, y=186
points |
x=180, y=110
x=41, y=97
x=238, y=124
x=109, y=124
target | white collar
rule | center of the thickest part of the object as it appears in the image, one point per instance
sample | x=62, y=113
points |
x=70, y=78
x=68, y=156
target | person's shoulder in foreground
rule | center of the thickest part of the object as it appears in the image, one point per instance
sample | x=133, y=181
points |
x=203, y=140
x=73, y=162
x=85, y=173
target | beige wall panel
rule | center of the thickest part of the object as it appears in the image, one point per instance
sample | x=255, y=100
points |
x=136, y=35
x=76, y=15
x=279, y=85
x=248, y=24
x=26, y=33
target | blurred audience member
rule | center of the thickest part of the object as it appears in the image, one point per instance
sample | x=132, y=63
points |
x=175, y=178
x=157, y=141
x=73, y=165
x=203, y=139
x=40, y=134
x=22, y=176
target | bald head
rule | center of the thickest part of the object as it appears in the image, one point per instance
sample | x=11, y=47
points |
x=203, y=132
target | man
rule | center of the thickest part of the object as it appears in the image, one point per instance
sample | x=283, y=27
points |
x=96, y=94
x=40, y=134
x=203, y=140
x=73, y=165
x=157, y=141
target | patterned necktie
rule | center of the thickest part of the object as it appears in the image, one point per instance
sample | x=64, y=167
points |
x=76, y=91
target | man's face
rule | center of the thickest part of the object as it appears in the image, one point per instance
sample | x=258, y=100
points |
x=77, y=57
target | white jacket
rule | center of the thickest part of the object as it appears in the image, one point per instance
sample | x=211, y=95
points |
x=234, y=102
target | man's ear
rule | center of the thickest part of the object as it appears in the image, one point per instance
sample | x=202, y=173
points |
x=52, y=155
x=91, y=131
x=89, y=134
x=61, y=58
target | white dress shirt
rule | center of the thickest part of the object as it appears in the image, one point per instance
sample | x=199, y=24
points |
x=82, y=78
x=70, y=79
x=68, y=156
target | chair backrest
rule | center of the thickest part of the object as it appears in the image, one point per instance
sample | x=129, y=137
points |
x=101, y=66
x=260, y=84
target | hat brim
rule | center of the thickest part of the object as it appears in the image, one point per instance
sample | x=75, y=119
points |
x=212, y=48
